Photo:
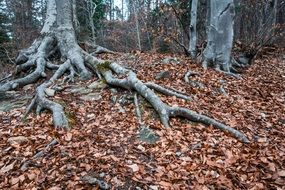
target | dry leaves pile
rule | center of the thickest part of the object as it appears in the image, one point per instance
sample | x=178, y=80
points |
x=103, y=142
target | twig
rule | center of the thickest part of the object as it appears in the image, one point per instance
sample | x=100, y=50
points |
x=7, y=53
x=181, y=45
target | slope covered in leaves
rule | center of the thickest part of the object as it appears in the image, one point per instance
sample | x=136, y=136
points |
x=103, y=142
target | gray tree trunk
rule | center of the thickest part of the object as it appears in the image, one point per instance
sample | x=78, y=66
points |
x=137, y=25
x=269, y=21
x=220, y=35
x=193, y=29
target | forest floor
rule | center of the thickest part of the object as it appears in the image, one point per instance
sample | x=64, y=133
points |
x=106, y=141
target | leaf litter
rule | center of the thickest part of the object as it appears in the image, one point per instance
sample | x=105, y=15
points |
x=106, y=145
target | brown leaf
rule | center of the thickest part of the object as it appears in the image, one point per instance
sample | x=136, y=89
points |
x=18, y=140
x=134, y=167
x=55, y=188
x=7, y=168
x=68, y=137
x=31, y=176
x=14, y=181
x=281, y=173
x=165, y=184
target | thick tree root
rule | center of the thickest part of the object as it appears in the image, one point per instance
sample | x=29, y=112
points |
x=37, y=59
x=41, y=102
x=76, y=60
x=129, y=80
x=100, y=50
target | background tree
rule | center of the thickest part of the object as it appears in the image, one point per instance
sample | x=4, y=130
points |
x=220, y=35
x=193, y=29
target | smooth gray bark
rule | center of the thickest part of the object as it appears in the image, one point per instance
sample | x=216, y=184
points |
x=220, y=35
x=193, y=29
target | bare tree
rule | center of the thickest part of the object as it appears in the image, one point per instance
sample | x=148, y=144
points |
x=91, y=10
x=137, y=25
x=220, y=35
x=193, y=29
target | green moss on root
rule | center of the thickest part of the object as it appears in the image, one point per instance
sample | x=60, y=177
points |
x=103, y=67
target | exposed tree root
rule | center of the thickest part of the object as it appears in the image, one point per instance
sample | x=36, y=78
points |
x=191, y=82
x=41, y=102
x=98, y=49
x=62, y=39
x=6, y=78
x=37, y=59
x=76, y=59
x=131, y=82
x=229, y=73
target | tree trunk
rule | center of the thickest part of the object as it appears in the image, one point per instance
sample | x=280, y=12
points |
x=193, y=29
x=137, y=25
x=58, y=34
x=267, y=29
x=220, y=35
x=91, y=8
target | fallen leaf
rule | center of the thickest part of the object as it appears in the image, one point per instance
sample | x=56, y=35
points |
x=281, y=173
x=18, y=140
x=7, y=168
x=140, y=147
x=14, y=181
x=68, y=137
x=165, y=184
x=134, y=167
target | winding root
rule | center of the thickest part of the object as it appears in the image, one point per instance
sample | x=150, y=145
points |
x=193, y=83
x=42, y=102
x=131, y=82
x=37, y=59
